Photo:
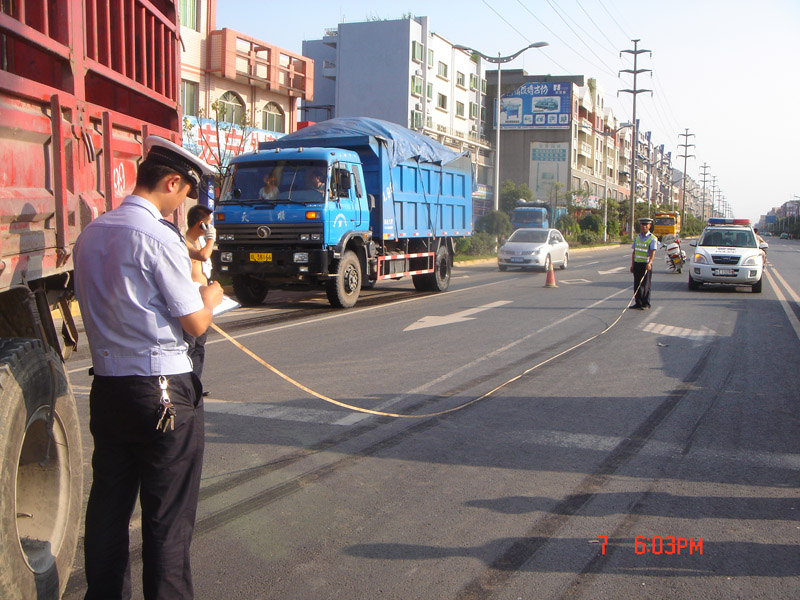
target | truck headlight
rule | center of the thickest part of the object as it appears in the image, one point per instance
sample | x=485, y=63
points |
x=226, y=256
x=303, y=238
x=301, y=257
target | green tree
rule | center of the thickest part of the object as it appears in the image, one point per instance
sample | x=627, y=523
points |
x=510, y=192
x=495, y=222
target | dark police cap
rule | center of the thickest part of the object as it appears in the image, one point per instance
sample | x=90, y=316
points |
x=164, y=152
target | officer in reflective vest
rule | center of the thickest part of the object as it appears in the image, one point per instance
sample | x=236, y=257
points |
x=644, y=251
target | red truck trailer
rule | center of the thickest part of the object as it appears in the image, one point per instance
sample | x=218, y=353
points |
x=82, y=82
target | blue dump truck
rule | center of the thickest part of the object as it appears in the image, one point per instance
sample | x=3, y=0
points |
x=534, y=214
x=340, y=205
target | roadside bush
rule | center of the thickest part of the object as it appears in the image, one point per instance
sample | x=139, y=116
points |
x=589, y=237
x=478, y=244
x=567, y=225
x=592, y=222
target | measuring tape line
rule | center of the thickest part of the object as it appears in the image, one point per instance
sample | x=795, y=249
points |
x=368, y=411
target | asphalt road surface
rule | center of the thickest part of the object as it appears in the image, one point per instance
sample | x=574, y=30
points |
x=551, y=444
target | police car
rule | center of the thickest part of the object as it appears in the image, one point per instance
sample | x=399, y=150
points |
x=727, y=252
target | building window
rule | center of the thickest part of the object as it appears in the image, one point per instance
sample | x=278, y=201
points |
x=429, y=122
x=273, y=118
x=430, y=91
x=441, y=101
x=473, y=110
x=461, y=80
x=473, y=81
x=416, y=85
x=460, y=109
x=430, y=58
x=442, y=70
x=189, y=97
x=230, y=108
x=187, y=10
x=416, y=120
x=483, y=86
x=416, y=51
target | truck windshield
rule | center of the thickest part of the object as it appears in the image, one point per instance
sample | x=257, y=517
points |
x=665, y=221
x=305, y=182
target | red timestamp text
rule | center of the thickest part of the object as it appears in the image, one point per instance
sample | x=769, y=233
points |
x=661, y=544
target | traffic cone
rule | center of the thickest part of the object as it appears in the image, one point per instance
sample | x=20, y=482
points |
x=551, y=276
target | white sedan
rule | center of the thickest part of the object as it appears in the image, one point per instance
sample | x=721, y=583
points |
x=534, y=248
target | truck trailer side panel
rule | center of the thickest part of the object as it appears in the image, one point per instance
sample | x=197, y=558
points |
x=81, y=84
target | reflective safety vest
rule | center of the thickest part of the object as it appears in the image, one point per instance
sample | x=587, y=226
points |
x=641, y=246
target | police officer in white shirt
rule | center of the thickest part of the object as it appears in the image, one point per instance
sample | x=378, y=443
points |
x=133, y=284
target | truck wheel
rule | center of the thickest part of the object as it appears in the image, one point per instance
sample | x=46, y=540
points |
x=343, y=291
x=249, y=290
x=40, y=498
x=440, y=278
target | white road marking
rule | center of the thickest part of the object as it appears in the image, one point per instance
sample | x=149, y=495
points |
x=459, y=317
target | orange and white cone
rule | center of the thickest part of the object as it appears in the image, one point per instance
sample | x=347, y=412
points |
x=551, y=276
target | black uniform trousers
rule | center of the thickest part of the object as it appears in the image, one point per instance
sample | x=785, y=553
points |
x=196, y=351
x=163, y=468
x=641, y=274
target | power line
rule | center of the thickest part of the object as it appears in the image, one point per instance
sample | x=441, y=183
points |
x=566, y=44
x=578, y=36
x=613, y=19
x=600, y=29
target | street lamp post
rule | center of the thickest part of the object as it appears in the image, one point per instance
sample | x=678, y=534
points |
x=607, y=134
x=498, y=60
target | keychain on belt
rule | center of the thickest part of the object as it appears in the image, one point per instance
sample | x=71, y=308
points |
x=166, y=410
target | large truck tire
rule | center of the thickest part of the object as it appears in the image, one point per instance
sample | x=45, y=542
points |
x=344, y=289
x=40, y=497
x=249, y=290
x=443, y=270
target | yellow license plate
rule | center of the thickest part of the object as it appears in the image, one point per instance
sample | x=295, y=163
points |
x=261, y=257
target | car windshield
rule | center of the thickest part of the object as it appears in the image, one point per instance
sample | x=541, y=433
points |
x=529, y=236
x=283, y=181
x=734, y=238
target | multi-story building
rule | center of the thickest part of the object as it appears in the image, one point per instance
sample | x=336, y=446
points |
x=231, y=77
x=557, y=135
x=400, y=71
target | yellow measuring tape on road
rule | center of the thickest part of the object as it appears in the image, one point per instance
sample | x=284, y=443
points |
x=325, y=398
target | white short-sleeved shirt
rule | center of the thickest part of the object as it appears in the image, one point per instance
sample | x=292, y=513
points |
x=133, y=281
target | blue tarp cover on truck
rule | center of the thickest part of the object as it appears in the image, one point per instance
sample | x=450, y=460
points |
x=402, y=143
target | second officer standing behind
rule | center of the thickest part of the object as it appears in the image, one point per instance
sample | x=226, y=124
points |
x=644, y=251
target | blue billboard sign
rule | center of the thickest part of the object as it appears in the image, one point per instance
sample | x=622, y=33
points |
x=537, y=105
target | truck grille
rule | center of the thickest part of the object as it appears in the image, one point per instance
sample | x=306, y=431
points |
x=725, y=259
x=277, y=234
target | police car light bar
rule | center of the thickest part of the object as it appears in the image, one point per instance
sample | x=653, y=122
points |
x=721, y=221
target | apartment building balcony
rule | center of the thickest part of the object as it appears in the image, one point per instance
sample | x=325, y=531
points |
x=329, y=69
x=586, y=170
x=331, y=37
x=585, y=149
x=585, y=125
x=244, y=59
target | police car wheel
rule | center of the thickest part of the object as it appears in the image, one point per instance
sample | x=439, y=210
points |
x=693, y=283
x=41, y=478
x=757, y=286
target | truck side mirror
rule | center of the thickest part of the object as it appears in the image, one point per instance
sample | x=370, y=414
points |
x=343, y=182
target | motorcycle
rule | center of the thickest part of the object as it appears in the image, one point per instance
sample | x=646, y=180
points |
x=676, y=257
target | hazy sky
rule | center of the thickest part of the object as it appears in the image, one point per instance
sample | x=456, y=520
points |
x=728, y=70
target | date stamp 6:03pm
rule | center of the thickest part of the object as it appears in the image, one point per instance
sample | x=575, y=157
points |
x=660, y=544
